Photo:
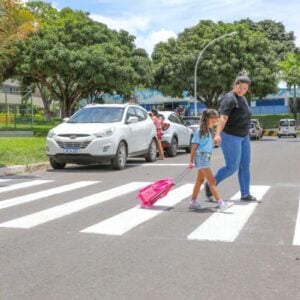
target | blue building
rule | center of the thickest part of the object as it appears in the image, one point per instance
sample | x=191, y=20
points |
x=151, y=98
x=277, y=103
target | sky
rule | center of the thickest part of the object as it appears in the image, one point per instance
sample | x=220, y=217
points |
x=152, y=21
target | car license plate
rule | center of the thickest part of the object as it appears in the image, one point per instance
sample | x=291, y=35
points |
x=71, y=150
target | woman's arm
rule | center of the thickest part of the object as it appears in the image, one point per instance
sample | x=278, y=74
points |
x=221, y=124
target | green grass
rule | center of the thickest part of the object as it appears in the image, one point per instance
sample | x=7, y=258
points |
x=22, y=151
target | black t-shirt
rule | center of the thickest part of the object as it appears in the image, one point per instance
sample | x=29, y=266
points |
x=238, y=112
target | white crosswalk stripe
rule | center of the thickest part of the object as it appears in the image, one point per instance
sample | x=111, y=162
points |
x=227, y=226
x=23, y=185
x=131, y=218
x=3, y=180
x=223, y=227
x=56, y=212
x=43, y=194
x=296, y=240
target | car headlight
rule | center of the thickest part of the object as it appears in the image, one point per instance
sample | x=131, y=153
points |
x=105, y=133
x=51, y=134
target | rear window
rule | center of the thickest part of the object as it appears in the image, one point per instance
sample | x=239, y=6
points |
x=174, y=118
x=287, y=123
x=189, y=122
x=284, y=123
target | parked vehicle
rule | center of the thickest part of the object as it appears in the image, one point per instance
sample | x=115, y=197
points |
x=255, y=130
x=258, y=129
x=192, y=122
x=103, y=132
x=176, y=135
x=287, y=127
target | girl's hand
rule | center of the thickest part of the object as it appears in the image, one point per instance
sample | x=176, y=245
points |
x=190, y=165
x=217, y=140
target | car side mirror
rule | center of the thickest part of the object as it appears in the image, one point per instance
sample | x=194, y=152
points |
x=66, y=120
x=132, y=119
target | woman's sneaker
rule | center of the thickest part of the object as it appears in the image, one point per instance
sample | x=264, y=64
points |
x=194, y=204
x=224, y=205
x=249, y=198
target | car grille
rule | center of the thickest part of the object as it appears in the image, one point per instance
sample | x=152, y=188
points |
x=81, y=145
x=73, y=135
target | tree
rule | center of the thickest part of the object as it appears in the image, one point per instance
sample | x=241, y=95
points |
x=16, y=22
x=174, y=61
x=290, y=73
x=282, y=42
x=73, y=56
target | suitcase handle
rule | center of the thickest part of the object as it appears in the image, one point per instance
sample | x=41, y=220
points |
x=181, y=175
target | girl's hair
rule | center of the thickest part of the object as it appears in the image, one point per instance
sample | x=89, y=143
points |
x=242, y=78
x=155, y=112
x=206, y=115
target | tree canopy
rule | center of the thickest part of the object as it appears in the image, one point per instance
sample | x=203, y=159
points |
x=251, y=49
x=72, y=56
x=290, y=73
x=69, y=56
x=16, y=22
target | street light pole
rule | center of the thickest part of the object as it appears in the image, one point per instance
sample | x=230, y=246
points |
x=198, y=59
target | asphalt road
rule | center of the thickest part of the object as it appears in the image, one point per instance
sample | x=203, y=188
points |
x=79, y=234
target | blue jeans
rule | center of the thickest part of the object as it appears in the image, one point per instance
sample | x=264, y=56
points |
x=236, y=151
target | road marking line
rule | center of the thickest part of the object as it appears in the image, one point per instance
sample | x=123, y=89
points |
x=227, y=226
x=127, y=220
x=23, y=185
x=56, y=212
x=296, y=240
x=43, y=194
x=4, y=180
x=157, y=165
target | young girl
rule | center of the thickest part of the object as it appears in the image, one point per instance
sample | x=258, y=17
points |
x=157, y=122
x=202, y=146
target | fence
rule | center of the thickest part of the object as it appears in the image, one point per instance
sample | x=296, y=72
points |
x=14, y=116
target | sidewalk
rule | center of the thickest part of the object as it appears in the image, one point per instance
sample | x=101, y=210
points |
x=13, y=170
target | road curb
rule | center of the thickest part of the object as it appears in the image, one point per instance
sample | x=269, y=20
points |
x=19, y=169
x=270, y=132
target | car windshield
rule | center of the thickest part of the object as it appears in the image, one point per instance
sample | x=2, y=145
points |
x=98, y=115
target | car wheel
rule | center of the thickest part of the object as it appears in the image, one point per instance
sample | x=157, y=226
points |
x=56, y=165
x=279, y=136
x=151, y=155
x=120, y=160
x=172, y=150
x=295, y=136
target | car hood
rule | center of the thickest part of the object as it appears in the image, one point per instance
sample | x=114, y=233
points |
x=82, y=128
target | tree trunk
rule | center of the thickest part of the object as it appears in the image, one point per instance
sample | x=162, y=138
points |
x=46, y=101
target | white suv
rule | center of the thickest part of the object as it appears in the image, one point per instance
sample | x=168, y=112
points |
x=103, y=132
x=176, y=135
